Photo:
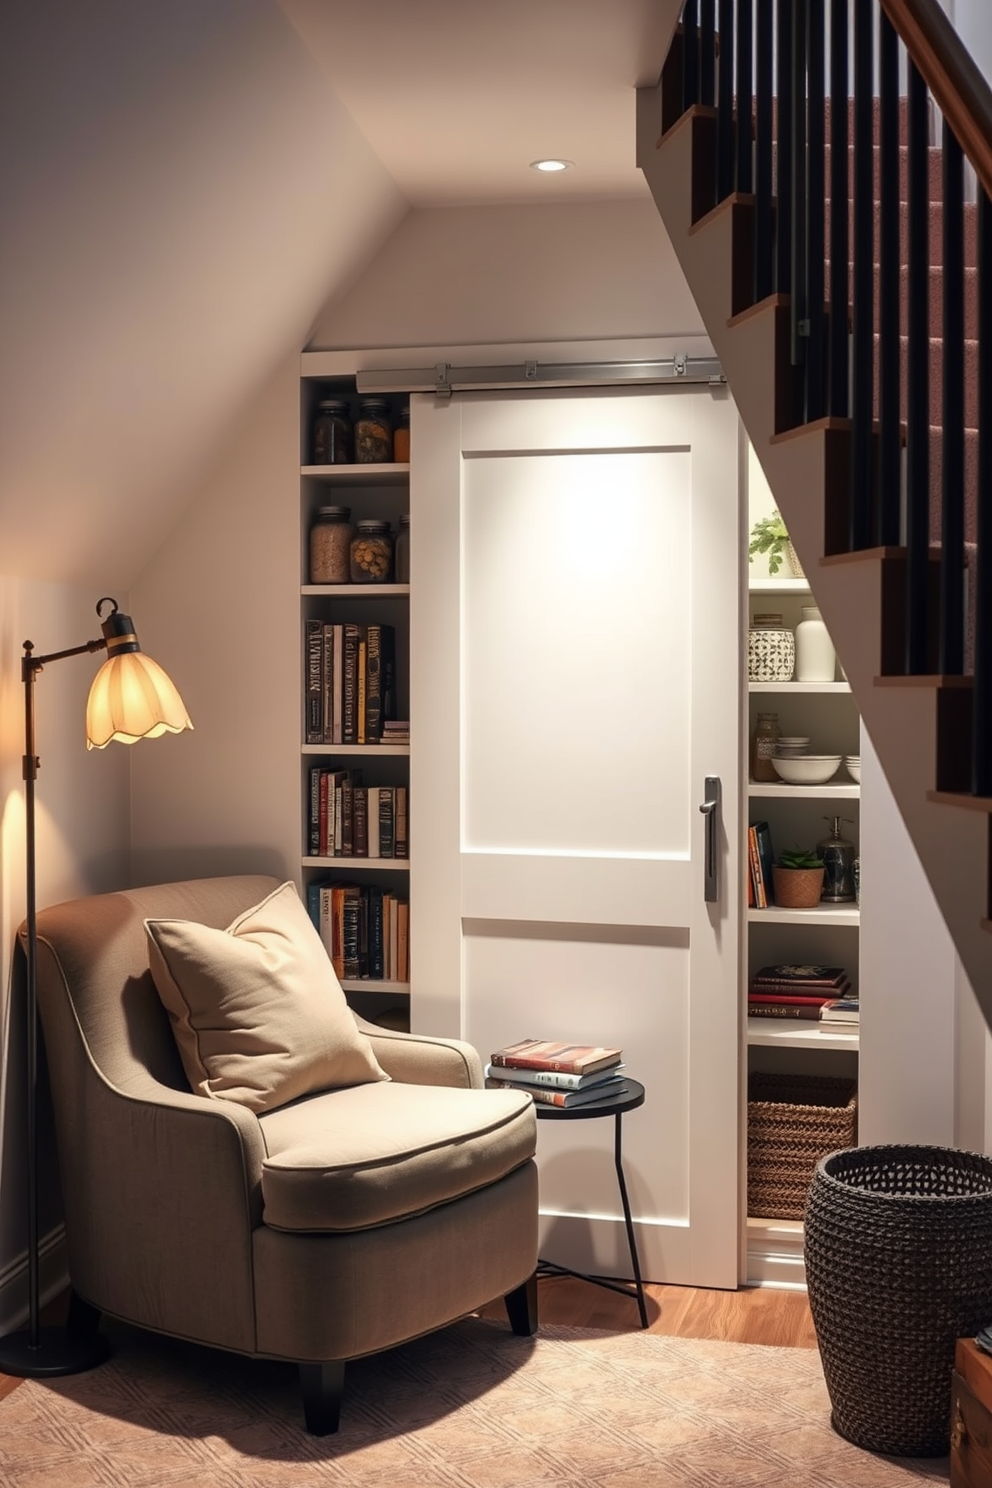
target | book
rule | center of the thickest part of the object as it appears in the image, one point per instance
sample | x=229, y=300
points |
x=327, y=684
x=550, y=1054
x=372, y=822
x=554, y=1079
x=400, y=848
x=314, y=713
x=360, y=691
x=360, y=822
x=386, y=844
x=337, y=702
x=544, y=1096
x=349, y=717
x=809, y=974
x=841, y=1010
x=757, y=884
x=377, y=964
x=763, y=833
x=761, y=994
x=380, y=664
x=810, y=1014
x=401, y=971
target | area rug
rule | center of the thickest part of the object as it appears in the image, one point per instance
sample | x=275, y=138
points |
x=470, y=1407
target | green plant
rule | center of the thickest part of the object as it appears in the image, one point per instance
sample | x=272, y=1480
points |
x=800, y=858
x=769, y=535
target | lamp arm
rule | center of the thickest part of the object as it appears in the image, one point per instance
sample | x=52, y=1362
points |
x=30, y=662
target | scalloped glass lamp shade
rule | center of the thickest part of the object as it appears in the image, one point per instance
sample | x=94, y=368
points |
x=132, y=698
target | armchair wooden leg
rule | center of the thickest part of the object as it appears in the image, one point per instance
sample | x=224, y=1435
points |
x=521, y=1307
x=83, y=1318
x=323, y=1386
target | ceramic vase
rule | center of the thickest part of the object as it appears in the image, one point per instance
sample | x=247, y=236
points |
x=816, y=659
x=771, y=650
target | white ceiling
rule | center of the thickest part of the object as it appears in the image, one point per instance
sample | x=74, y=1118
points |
x=457, y=97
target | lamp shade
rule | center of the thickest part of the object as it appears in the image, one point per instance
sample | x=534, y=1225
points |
x=131, y=698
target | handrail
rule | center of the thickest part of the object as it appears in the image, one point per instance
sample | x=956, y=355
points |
x=951, y=74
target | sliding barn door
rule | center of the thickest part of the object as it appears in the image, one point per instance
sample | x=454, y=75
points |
x=575, y=679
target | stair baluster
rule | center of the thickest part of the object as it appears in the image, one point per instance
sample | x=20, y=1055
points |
x=952, y=415
x=889, y=429
x=796, y=126
x=690, y=54
x=725, y=104
x=918, y=383
x=863, y=348
x=783, y=182
x=707, y=50
x=763, y=209
x=839, y=333
x=815, y=189
x=745, y=72
x=981, y=753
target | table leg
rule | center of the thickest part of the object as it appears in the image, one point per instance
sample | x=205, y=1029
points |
x=631, y=1242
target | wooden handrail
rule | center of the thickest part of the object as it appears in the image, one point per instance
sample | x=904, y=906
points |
x=951, y=74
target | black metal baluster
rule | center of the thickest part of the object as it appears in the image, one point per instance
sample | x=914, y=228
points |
x=707, y=50
x=952, y=473
x=815, y=187
x=839, y=305
x=797, y=268
x=862, y=381
x=981, y=749
x=745, y=66
x=763, y=154
x=918, y=380
x=889, y=432
x=690, y=54
x=725, y=104
x=783, y=184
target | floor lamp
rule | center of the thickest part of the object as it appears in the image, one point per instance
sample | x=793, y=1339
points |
x=131, y=698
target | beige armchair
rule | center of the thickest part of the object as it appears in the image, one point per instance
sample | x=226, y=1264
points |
x=336, y=1226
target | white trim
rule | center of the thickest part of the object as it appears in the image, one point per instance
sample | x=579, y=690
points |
x=53, y=1279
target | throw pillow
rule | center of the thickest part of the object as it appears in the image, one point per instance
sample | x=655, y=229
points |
x=256, y=1010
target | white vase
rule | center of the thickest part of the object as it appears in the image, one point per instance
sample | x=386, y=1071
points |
x=816, y=659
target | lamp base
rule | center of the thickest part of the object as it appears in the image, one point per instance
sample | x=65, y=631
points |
x=57, y=1352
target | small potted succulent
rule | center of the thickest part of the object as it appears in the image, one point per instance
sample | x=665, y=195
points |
x=798, y=879
x=769, y=535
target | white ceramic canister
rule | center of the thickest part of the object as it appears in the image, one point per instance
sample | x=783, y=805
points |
x=816, y=659
x=771, y=650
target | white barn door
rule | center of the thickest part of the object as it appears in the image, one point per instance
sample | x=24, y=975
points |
x=574, y=636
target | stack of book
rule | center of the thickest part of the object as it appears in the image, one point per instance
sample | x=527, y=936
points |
x=841, y=1015
x=365, y=930
x=759, y=880
x=350, y=675
x=796, y=991
x=396, y=731
x=352, y=820
x=558, y=1074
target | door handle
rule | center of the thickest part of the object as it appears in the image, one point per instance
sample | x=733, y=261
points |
x=711, y=811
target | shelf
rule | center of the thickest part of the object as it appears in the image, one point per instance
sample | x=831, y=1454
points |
x=357, y=591
x=799, y=687
x=360, y=865
x=823, y=914
x=368, y=984
x=846, y=792
x=350, y=749
x=780, y=586
x=791, y=1033
x=358, y=475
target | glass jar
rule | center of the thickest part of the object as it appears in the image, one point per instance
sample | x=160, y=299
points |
x=331, y=436
x=401, y=551
x=401, y=436
x=763, y=741
x=771, y=650
x=373, y=433
x=371, y=558
x=330, y=546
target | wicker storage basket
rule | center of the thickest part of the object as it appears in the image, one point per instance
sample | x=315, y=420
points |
x=793, y=1121
x=898, y=1246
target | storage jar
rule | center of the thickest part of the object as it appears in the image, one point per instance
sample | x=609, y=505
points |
x=401, y=551
x=332, y=433
x=373, y=433
x=401, y=436
x=371, y=552
x=816, y=659
x=763, y=741
x=330, y=546
x=771, y=650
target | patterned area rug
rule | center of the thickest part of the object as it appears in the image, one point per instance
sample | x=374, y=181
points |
x=471, y=1407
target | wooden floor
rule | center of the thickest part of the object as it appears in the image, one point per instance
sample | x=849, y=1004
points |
x=753, y=1315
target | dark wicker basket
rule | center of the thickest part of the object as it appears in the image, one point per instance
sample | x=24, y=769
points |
x=793, y=1121
x=898, y=1244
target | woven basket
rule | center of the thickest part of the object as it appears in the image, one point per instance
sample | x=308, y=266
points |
x=898, y=1245
x=793, y=1121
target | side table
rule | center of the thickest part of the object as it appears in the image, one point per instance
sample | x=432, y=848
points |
x=609, y=1106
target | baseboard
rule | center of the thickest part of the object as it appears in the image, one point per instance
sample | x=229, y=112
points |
x=53, y=1278
x=775, y=1254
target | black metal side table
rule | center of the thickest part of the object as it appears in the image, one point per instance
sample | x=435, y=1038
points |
x=614, y=1106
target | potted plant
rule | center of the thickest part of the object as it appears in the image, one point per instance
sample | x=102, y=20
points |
x=798, y=879
x=770, y=535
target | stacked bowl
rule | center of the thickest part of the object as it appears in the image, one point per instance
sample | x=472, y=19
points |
x=796, y=767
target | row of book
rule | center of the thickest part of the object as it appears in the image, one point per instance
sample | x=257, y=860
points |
x=350, y=673
x=365, y=930
x=807, y=992
x=558, y=1074
x=760, y=893
x=350, y=820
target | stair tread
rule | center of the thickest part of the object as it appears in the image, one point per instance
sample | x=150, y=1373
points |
x=961, y=798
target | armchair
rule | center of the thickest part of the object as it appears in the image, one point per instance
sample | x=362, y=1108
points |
x=333, y=1227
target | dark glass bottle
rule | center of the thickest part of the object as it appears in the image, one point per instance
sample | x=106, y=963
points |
x=331, y=440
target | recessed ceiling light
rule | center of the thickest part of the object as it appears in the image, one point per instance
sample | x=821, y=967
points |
x=550, y=165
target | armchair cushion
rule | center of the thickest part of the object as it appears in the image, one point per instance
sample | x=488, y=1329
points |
x=258, y=1015
x=352, y=1159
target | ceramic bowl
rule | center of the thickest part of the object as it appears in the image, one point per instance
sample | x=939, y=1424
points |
x=852, y=764
x=807, y=769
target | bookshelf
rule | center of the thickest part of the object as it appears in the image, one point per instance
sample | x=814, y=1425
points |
x=370, y=491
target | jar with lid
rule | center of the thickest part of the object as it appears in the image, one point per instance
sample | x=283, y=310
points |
x=771, y=650
x=373, y=433
x=401, y=551
x=330, y=546
x=331, y=436
x=401, y=436
x=371, y=552
x=763, y=741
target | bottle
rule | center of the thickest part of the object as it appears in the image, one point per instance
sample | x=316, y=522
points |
x=401, y=551
x=330, y=546
x=331, y=441
x=771, y=650
x=373, y=433
x=816, y=659
x=763, y=741
x=371, y=552
x=401, y=436
x=838, y=864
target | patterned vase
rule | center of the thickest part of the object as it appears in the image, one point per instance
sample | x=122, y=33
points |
x=771, y=650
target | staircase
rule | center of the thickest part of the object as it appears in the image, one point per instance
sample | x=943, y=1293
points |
x=864, y=402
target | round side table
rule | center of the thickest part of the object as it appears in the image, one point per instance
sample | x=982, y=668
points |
x=614, y=1106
